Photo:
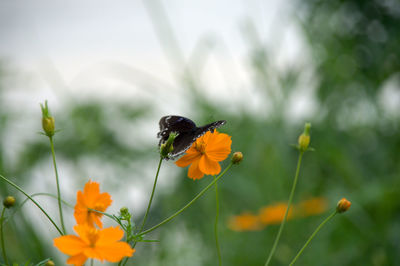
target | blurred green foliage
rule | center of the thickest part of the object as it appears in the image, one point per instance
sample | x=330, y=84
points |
x=355, y=50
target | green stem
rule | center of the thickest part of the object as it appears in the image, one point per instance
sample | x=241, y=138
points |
x=287, y=210
x=34, y=201
x=312, y=236
x=148, y=207
x=216, y=224
x=49, y=195
x=91, y=262
x=58, y=183
x=152, y=194
x=187, y=205
x=3, y=247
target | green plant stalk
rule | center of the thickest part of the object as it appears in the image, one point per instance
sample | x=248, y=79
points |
x=3, y=247
x=187, y=205
x=58, y=184
x=151, y=197
x=216, y=224
x=287, y=210
x=34, y=201
x=49, y=195
x=312, y=236
x=124, y=261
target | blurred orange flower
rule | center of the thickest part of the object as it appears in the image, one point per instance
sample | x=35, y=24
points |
x=313, y=206
x=91, y=198
x=273, y=214
x=205, y=153
x=101, y=244
x=245, y=222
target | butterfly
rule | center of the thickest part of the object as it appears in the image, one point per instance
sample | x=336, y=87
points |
x=187, y=132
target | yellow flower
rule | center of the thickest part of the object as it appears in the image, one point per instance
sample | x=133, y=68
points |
x=245, y=222
x=91, y=198
x=205, y=153
x=101, y=244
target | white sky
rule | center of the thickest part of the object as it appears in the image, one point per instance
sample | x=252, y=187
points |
x=90, y=47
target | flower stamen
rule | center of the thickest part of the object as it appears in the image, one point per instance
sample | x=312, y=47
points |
x=201, y=146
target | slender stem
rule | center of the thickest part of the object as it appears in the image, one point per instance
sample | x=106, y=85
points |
x=287, y=210
x=148, y=207
x=34, y=201
x=216, y=224
x=312, y=236
x=46, y=194
x=91, y=262
x=187, y=205
x=152, y=194
x=3, y=247
x=58, y=183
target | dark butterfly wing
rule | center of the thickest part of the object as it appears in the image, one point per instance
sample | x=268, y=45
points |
x=200, y=131
x=183, y=142
x=187, y=132
x=174, y=123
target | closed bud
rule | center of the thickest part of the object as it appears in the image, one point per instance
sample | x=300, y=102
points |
x=304, y=138
x=237, y=157
x=50, y=263
x=48, y=126
x=9, y=202
x=167, y=146
x=343, y=205
x=47, y=120
x=124, y=211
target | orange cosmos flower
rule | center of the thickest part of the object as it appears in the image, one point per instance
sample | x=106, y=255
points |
x=313, y=206
x=93, y=199
x=245, y=222
x=205, y=153
x=273, y=214
x=101, y=244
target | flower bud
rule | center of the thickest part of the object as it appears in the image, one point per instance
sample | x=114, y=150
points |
x=343, y=205
x=167, y=146
x=123, y=211
x=48, y=126
x=237, y=157
x=49, y=263
x=47, y=121
x=304, y=139
x=9, y=202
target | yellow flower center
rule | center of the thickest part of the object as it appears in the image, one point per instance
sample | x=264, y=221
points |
x=93, y=236
x=201, y=146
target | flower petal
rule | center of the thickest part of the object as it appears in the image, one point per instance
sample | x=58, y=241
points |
x=82, y=230
x=94, y=253
x=77, y=260
x=115, y=252
x=219, y=147
x=188, y=159
x=94, y=218
x=70, y=244
x=208, y=166
x=110, y=235
x=91, y=191
x=103, y=200
x=194, y=171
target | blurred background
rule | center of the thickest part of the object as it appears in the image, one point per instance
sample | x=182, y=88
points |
x=110, y=70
